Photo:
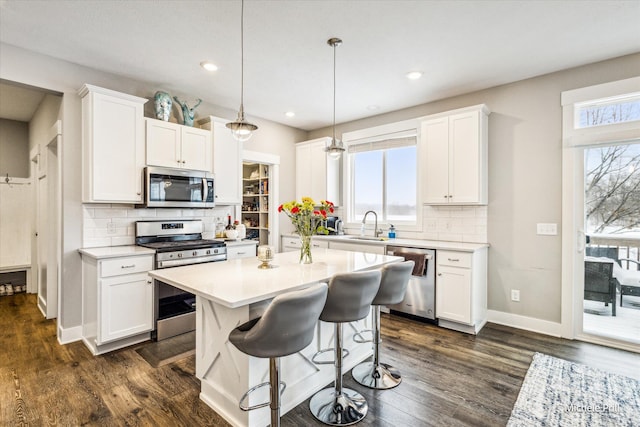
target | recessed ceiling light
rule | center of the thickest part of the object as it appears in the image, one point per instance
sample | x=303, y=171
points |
x=414, y=75
x=209, y=66
x=290, y=114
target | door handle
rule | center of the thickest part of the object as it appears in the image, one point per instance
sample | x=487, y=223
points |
x=581, y=239
x=205, y=190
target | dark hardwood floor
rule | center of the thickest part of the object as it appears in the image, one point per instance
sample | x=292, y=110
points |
x=449, y=378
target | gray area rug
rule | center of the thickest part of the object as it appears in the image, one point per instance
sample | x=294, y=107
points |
x=556, y=392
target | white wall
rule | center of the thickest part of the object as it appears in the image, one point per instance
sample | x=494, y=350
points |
x=41, y=71
x=525, y=181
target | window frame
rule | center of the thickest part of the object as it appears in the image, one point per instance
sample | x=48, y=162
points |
x=571, y=102
x=373, y=134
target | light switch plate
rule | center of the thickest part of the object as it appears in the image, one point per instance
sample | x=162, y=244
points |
x=547, y=229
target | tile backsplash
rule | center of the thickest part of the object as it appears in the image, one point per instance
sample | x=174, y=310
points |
x=114, y=224
x=449, y=223
x=455, y=223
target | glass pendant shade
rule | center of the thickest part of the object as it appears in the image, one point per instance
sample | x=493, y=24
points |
x=241, y=129
x=335, y=149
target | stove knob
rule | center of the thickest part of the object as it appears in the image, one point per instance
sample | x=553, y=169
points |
x=179, y=255
x=194, y=253
x=208, y=251
x=170, y=255
x=215, y=251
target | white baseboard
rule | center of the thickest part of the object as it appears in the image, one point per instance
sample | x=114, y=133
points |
x=69, y=335
x=523, y=322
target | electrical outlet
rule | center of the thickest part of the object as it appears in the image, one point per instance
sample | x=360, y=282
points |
x=111, y=228
x=515, y=295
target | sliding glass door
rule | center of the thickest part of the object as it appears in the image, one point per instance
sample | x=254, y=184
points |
x=601, y=214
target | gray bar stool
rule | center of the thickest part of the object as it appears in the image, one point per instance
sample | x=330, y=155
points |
x=349, y=299
x=393, y=286
x=286, y=327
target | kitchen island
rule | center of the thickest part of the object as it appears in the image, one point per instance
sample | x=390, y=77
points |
x=232, y=292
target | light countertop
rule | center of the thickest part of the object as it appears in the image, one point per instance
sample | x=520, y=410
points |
x=414, y=243
x=240, y=282
x=116, y=251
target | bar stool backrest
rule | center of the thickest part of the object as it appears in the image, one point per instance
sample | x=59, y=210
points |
x=393, y=284
x=350, y=296
x=287, y=325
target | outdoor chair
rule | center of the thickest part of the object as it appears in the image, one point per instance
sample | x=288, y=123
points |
x=599, y=283
x=629, y=284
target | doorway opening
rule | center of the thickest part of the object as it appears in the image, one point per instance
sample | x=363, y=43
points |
x=260, y=174
x=601, y=232
x=30, y=221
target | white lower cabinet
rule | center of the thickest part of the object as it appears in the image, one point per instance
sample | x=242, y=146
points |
x=461, y=290
x=288, y=244
x=241, y=250
x=117, y=299
x=126, y=306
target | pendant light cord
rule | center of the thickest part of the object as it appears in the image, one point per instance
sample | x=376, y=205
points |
x=242, y=59
x=334, y=93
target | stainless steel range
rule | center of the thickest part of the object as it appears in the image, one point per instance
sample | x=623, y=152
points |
x=176, y=243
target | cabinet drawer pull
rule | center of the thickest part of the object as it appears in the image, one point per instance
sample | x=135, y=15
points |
x=241, y=253
x=128, y=266
x=454, y=259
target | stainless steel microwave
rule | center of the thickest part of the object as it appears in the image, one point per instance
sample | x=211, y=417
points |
x=178, y=188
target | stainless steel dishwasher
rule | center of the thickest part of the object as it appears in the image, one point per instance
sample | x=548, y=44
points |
x=421, y=292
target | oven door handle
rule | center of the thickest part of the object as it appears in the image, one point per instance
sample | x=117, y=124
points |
x=205, y=190
x=198, y=260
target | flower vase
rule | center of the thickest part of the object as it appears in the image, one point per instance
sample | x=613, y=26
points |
x=305, y=250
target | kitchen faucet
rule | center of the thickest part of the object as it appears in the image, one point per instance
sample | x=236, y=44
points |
x=376, y=232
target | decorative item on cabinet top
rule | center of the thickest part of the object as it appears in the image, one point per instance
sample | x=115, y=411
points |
x=187, y=113
x=163, y=105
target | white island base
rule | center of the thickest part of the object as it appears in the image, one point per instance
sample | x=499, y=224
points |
x=226, y=373
x=231, y=293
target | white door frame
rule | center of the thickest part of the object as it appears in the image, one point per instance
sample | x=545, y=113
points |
x=573, y=236
x=274, y=170
x=34, y=157
x=48, y=167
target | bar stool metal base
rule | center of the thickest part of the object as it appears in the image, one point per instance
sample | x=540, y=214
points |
x=380, y=377
x=338, y=409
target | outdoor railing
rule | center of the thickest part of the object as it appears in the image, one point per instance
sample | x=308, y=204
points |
x=628, y=247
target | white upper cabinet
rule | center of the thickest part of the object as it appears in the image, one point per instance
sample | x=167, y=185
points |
x=317, y=174
x=112, y=146
x=176, y=146
x=454, y=156
x=227, y=162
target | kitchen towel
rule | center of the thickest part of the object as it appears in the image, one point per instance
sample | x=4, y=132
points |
x=420, y=262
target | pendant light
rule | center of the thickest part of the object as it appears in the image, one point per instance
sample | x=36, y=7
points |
x=241, y=129
x=336, y=148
